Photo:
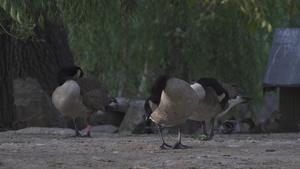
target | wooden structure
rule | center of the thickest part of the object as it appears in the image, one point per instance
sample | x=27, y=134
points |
x=283, y=72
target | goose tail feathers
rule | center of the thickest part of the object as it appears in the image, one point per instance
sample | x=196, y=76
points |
x=246, y=99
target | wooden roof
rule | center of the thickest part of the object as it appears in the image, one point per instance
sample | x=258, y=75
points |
x=283, y=68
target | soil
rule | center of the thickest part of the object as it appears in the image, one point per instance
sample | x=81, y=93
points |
x=55, y=148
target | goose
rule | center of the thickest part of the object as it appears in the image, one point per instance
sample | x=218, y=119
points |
x=271, y=125
x=216, y=99
x=170, y=104
x=229, y=126
x=77, y=96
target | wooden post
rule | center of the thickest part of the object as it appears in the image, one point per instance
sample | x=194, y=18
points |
x=290, y=108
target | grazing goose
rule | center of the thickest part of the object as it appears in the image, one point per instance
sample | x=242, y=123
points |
x=170, y=104
x=229, y=126
x=271, y=125
x=77, y=96
x=215, y=100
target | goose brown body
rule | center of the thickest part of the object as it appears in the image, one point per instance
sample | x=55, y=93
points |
x=170, y=103
x=67, y=100
x=215, y=100
x=77, y=96
x=81, y=97
x=210, y=105
x=176, y=105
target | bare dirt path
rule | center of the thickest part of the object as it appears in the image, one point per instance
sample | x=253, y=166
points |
x=54, y=148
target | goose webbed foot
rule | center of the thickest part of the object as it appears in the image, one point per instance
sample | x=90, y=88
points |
x=209, y=136
x=148, y=131
x=87, y=135
x=180, y=146
x=205, y=133
x=77, y=135
x=165, y=146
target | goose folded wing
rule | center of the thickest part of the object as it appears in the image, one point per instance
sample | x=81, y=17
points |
x=87, y=84
x=96, y=99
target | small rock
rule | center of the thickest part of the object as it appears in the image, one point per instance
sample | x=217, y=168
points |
x=270, y=150
x=103, y=129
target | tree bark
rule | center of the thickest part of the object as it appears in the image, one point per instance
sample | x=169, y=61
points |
x=7, y=111
x=39, y=59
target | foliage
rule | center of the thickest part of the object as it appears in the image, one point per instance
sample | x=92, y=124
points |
x=202, y=137
x=229, y=40
x=24, y=16
x=127, y=43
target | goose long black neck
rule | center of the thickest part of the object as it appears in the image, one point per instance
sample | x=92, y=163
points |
x=67, y=73
x=158, y=86
x=213, y=83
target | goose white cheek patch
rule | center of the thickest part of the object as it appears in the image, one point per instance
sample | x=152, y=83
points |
x=78, y=74
x=221, y=97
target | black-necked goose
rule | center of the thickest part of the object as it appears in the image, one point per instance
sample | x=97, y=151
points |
x=170, y=104
x=77, y=96
x=215, y=100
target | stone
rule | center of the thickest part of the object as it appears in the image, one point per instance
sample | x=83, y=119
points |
x=134, y=120
x=46, y=130
x=34, y=106
x=103, y=129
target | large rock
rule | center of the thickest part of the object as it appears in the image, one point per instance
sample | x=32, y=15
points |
x=33, y=106
x=134, y=121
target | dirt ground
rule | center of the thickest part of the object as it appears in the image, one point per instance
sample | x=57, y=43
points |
x=54, y=148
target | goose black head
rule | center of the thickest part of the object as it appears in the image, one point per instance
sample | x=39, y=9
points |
x=155, y=95
x=67, y=73
x=221, y=92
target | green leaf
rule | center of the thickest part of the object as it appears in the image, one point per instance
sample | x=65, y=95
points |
x=191, y=2
x=202, y=137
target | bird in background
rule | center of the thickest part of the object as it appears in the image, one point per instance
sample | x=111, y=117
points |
x=77, y=96
x=215, y=100
x=271, y=125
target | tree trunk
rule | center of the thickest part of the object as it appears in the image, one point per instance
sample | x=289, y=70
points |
x=39, y=59
x=7, y=111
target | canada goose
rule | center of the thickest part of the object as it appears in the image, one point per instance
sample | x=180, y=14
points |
x=77, y=96
x=229, y=126
x=170, y=103
x=271, y=125
x=215, y=100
